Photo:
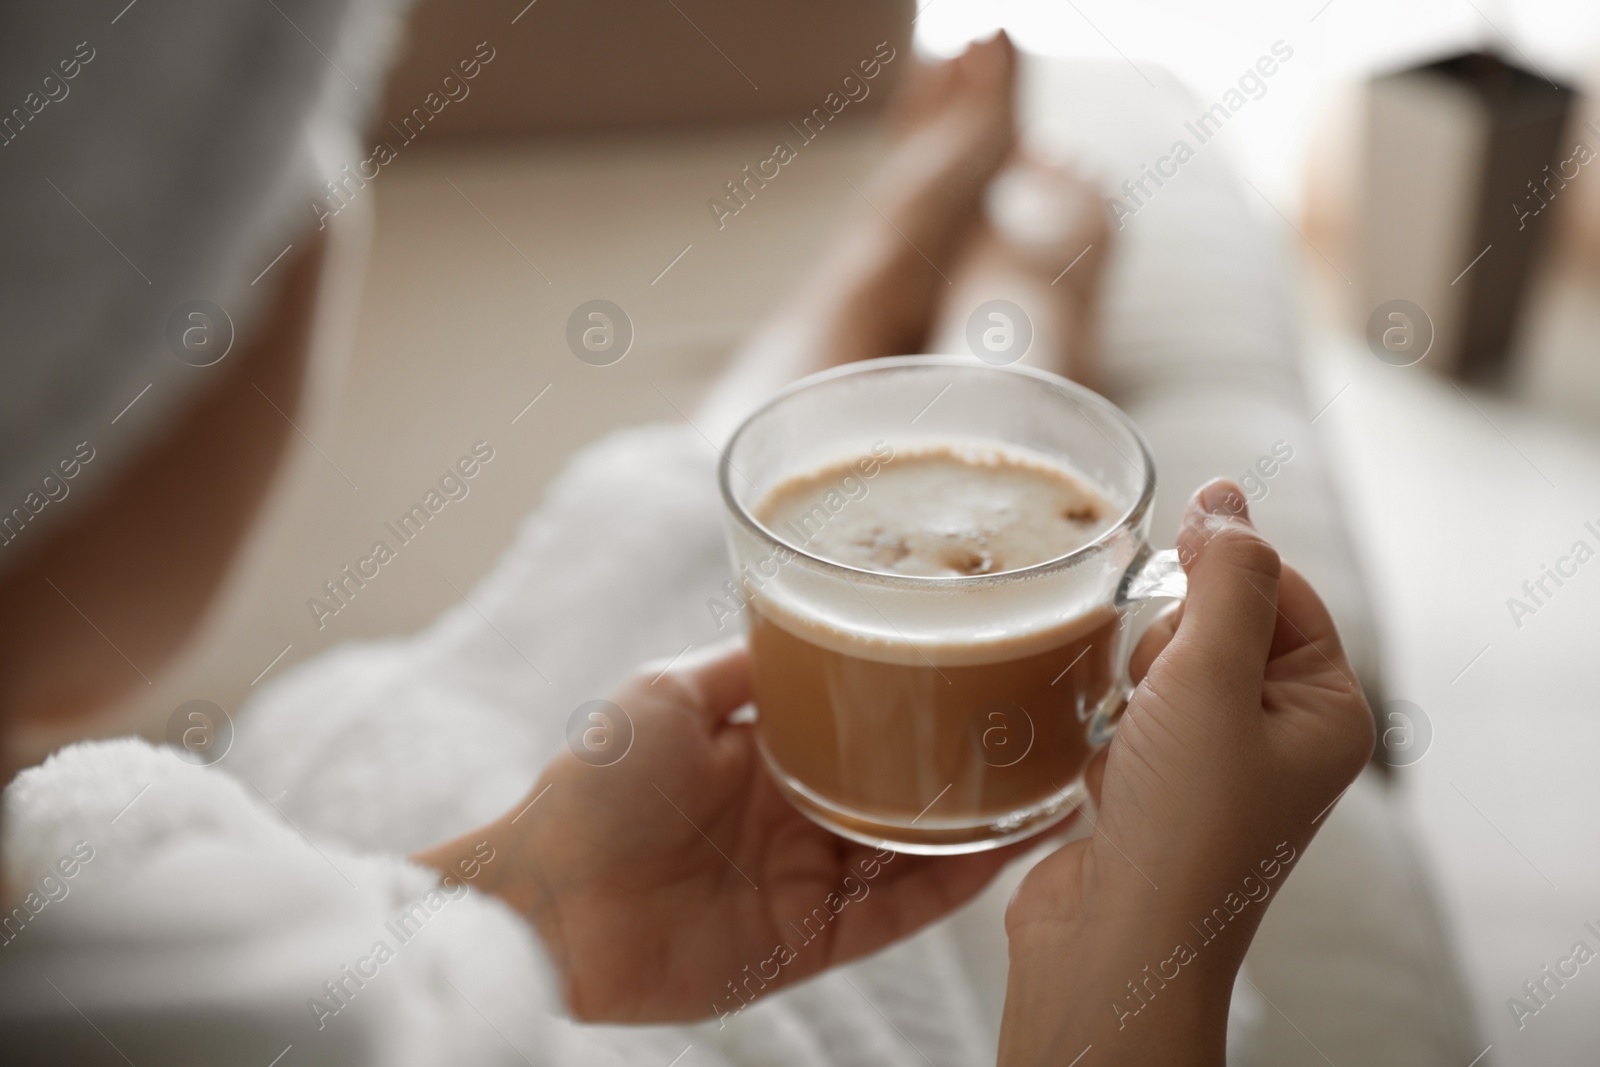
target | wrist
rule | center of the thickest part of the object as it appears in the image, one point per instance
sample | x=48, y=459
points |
x=465, y=859
x=499, y=860
x=1138, y=994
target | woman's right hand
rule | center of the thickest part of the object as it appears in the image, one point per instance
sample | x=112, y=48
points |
x=1247, y=726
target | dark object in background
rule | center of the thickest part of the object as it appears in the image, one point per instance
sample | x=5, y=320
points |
x=1463, y=155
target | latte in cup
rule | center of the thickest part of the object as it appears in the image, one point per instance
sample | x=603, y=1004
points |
x=881, y=731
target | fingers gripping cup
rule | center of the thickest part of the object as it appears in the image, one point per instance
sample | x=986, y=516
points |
x=939, y=558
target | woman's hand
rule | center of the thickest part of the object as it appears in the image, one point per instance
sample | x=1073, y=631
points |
x=1247, y=727
x=677, y=883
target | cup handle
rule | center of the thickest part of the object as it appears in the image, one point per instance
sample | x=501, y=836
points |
x=1151, y=576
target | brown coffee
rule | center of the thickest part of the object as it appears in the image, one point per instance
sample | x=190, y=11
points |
x=948, y=735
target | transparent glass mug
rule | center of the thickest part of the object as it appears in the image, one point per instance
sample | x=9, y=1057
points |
x=938, y=714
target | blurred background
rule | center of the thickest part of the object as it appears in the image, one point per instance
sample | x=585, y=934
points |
x=1464, y=473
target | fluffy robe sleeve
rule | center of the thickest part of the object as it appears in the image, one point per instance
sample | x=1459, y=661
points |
x=169, y=909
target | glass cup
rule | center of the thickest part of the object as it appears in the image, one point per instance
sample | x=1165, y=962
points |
x=938, y=714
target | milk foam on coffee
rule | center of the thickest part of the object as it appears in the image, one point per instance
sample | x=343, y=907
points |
x=940, y=511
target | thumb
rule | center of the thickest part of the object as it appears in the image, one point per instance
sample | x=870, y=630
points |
x=1232, y=608
x=715, y=679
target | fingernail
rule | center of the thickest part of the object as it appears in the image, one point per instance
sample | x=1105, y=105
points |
x=1222, y=497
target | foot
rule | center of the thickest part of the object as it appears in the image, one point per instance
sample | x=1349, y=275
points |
x=876, y=290
x=1042, y=245
x=954, y=126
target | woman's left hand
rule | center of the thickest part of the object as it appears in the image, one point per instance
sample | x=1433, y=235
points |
x=677, y=883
